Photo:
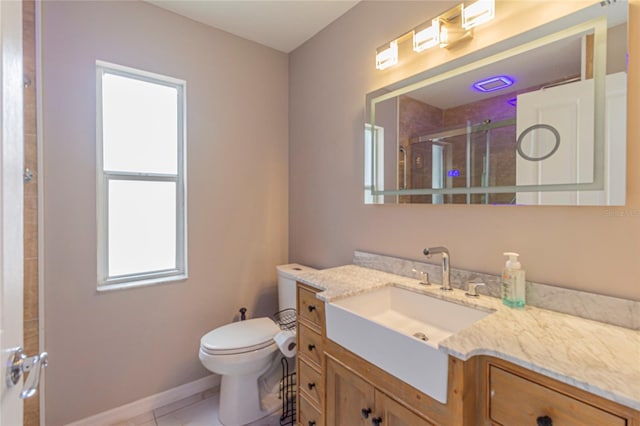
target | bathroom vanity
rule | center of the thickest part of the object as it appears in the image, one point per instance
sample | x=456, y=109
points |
x=494, y=376
x=310, y=362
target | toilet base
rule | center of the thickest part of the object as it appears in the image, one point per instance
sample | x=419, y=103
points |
x=240, y=399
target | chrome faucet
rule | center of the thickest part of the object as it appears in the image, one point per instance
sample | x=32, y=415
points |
x=446, y=284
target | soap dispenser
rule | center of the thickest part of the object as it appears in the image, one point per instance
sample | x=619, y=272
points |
x=513, y=282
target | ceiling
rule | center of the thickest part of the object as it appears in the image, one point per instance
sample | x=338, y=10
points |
x=281, y=25
x=528, y=70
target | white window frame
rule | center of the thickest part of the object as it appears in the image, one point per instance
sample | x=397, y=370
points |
x=373, y=157
x=103, y=178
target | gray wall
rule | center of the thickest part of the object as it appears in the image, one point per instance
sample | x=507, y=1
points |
x=113, y=348
x=589, y=248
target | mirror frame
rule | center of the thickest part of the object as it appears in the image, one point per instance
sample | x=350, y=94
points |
x=590, y=19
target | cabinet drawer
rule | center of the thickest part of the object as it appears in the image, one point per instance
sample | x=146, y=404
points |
x=309, y=307
x=308, y=415
x=310, y=345
x=311, y=383
x=517, y=401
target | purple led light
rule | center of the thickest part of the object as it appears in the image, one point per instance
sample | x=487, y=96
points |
x=513, y=102
x=493, y=83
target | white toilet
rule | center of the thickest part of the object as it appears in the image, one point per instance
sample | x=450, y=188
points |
x=243, y=351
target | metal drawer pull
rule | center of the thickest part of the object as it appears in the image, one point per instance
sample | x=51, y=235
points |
x=311, y=385
x=311, y=308
x=312, y=423
x=365, y=412
x=377, y=421
x=544, y=421
x=311, y=347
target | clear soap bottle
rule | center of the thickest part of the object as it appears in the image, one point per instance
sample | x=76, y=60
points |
x=513, y=282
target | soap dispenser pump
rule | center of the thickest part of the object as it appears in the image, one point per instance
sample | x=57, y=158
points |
x=513, y=282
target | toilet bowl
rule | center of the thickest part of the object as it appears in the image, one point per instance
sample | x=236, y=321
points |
x=243, y=351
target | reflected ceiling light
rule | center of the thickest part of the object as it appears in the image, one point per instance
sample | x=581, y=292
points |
x=513, y=102
x=478, y=13
x=387, y=55
x=493, y=83
x=424, y=38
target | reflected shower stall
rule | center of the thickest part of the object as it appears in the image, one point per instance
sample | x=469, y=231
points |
x=475, y=155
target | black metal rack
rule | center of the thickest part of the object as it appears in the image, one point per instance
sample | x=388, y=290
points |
x=288, y=394
x=286, y=320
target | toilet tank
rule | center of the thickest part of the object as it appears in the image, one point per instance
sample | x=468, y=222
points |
x=287, y=284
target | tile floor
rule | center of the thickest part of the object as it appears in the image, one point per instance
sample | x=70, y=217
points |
x=202, y=409
x=205, y=413
x=194, y=411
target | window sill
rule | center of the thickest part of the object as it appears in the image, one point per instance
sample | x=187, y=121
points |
x=141, y=283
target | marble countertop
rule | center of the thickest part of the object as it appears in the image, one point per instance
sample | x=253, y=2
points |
x=599, y=358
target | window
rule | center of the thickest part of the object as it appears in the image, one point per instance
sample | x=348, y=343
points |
x=437, y=172
x=141, y=188
x=373, y=163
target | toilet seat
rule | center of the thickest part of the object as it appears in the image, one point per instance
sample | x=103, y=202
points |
x=240, y=337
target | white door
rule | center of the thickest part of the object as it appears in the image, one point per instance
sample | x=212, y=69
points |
x=615, y=143
x=570, y=110
x=11, y=166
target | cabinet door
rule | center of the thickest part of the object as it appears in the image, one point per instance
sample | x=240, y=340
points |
x=308, y=415
x=394, y=414
x=310, y=345
x=310, y=308
x=517, y=401
x=347, y=396
x=311, y=383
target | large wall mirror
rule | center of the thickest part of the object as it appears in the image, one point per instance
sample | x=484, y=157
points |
x=538, y=119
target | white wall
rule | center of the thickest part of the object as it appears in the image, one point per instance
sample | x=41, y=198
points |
x=590, y=248
x=112, y=348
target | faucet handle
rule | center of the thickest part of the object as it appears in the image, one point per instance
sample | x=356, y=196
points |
x=424, y=276
x=472, y=289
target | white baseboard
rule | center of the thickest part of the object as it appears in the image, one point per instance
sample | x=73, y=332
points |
x=150, y=403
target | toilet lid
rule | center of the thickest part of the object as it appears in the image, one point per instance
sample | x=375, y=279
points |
x=241, y=336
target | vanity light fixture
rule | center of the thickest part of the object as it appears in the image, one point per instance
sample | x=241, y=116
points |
x=478, y=13
x=493, y=83
x=451, y=29
x=424, y=38
x=387, y=55
x=444, y=37
x=445, y=30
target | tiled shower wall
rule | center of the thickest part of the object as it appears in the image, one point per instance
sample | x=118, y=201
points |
x=503, y=154
x=415, y=119
x=31, y=325
x=418, y=119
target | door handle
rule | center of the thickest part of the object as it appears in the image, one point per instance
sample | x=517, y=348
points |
x=18, y=364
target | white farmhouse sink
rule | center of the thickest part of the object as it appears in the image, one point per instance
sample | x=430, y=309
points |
x=380, y=325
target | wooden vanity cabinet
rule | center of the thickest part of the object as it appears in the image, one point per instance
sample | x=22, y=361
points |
x=395, y=414
x=338, y=388
x=397, y=401
x=516, y=396
x=310, y=392
x=350, y=399
x=353, y=401
x=334, y=385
